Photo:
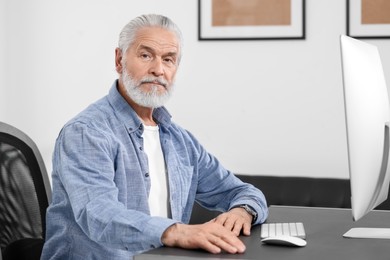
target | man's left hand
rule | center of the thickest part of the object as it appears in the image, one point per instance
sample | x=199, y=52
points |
x=236, y=219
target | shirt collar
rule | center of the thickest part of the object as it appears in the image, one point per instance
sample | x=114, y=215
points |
x=126, y=113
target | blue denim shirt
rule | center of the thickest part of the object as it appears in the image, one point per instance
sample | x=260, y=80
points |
x=100, y=181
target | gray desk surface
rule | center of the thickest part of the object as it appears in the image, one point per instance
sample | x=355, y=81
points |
x=324, y=229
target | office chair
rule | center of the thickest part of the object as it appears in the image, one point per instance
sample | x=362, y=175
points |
x=25, y=194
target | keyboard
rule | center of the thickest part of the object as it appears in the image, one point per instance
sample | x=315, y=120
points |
x=295, y=229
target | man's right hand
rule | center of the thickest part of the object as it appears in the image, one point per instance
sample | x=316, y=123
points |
x=209, y=236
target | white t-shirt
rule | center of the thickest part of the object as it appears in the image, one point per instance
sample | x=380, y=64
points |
x=158, y=197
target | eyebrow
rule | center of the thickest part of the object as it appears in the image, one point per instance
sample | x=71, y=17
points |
x=149, y=49
x=140, y=47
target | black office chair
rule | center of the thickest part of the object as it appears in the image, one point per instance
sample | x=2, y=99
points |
x=25, y=194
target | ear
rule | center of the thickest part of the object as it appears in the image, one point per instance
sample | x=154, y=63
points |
x=118, y=60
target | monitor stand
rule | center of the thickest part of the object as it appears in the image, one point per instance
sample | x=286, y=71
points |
x=382, y=233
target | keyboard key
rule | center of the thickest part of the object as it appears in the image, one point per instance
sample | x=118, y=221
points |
x=300, y=230
x=286, y=228
x=293, y=229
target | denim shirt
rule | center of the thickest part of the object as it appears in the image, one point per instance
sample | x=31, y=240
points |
x=101, y=183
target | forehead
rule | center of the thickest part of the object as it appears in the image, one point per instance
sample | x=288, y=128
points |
x=157, y=39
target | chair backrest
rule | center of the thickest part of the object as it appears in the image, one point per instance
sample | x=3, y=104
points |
x=25, y=191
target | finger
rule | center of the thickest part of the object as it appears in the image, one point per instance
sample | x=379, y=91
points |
x=230, y=244
x=237, y=228
x=210, y=247
x=236, y=243
x=230, y=223
x=246, y=230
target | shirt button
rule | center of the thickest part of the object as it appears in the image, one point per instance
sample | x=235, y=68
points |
x=147, y=174
x=141, y=148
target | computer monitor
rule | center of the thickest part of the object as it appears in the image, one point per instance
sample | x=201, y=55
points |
x=367, y=117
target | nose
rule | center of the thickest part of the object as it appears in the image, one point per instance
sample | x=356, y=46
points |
x=157, y=68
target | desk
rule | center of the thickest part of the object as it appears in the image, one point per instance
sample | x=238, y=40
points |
x=324, y=230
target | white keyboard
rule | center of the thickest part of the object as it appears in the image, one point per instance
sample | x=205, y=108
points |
x=294, y=229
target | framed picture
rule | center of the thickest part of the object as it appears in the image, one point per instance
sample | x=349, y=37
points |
x=251, y=19
x=368, y=18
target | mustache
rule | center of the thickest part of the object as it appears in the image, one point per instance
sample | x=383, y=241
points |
x=154, y=80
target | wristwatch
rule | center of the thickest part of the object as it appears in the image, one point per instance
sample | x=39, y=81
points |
x=249, y=210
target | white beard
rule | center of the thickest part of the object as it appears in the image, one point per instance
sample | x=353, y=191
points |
x=152, y=98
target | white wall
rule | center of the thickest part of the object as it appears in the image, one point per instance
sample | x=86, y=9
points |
x=262, y=107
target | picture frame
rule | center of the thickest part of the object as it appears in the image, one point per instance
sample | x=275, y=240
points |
x=368, y=19
x=251, y=19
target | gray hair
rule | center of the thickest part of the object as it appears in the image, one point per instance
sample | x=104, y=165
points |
x=128, y=33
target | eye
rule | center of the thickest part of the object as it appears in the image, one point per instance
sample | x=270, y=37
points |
x=170, y=60
x=145, y=56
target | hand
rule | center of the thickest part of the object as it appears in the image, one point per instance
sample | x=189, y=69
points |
x=210, y=236
x=236, y=219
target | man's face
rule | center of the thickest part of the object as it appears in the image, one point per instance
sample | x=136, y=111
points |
x=150, y=65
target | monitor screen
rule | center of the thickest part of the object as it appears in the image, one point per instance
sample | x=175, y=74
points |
x=367, y=122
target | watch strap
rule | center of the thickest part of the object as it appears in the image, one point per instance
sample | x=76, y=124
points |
x=248, y=209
